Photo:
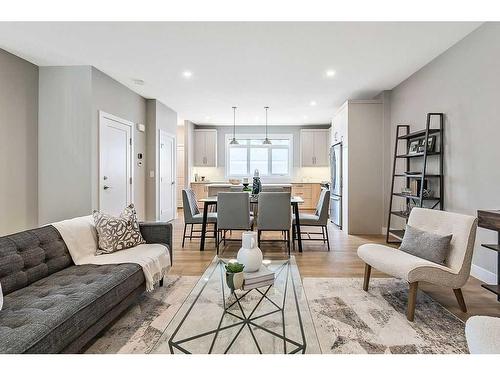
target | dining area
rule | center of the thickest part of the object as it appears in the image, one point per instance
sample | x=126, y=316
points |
x=273, y=210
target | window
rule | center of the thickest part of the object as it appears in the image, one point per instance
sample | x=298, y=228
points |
x=272, y=160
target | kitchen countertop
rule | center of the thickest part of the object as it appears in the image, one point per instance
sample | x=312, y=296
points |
x=212, y=184
x=250, y=182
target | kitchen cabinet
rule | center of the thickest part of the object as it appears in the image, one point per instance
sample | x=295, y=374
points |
x=309, y=192
x=314, y=146
x=205, y=148
x=358, y=124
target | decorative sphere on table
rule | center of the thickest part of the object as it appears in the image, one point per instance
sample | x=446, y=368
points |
x=250, y=255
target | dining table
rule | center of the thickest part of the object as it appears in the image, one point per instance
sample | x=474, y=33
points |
x=212, y=201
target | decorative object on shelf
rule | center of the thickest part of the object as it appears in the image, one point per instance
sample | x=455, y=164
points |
x=234, y=181
x=246, y=187
x=266, y=141
x=234, y=275
x=414, y=146
x=419, y=186
x=431, y=144
x=234, y=141
x=257, y=185
x=249, y=254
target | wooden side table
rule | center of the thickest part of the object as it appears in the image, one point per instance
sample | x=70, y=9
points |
x=490, y=219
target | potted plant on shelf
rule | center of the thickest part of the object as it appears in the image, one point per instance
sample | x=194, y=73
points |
x=234, y=275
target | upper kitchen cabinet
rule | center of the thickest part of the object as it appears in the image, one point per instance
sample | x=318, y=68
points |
x=205, y=148
x=314, y=145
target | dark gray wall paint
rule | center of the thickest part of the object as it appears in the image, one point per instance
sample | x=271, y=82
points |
x=18, y=143
x=464, y=83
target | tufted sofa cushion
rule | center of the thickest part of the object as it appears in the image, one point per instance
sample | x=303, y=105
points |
x=47, y=315
x=29, y=256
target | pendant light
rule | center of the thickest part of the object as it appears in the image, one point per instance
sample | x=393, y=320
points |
x=267, y=140
x=234, y=141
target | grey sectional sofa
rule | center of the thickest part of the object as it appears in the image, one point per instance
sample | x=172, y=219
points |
x=52, y=305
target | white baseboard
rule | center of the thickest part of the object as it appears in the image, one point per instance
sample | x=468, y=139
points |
x=384, y=230
x=483, y=275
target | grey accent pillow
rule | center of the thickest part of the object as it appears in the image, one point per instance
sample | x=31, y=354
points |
x=430, y=246
x=117, y=233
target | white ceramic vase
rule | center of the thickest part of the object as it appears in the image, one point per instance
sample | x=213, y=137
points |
x=250, y=255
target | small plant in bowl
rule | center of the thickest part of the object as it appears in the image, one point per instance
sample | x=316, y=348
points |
x=234, y=275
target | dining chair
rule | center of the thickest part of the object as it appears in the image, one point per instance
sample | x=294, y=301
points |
x=274, y=215
x=236, y=189
x=318, y=219
x=193, y=216
x=233, y=213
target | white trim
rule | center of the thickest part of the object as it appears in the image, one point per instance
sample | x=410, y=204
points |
x=131, y=125
x=157, y=172
x=482, y=274
x=228, y=138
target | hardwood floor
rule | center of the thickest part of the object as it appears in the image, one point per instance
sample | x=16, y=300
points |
x=316, y=261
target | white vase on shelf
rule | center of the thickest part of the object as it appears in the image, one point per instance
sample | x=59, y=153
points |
x=250, y=255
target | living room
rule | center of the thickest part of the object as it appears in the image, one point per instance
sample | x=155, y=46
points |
x=262, y=187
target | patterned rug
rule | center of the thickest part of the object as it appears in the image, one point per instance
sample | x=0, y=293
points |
x=347, y=319
x=350, y=320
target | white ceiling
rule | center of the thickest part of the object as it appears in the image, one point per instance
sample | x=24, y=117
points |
x=249, y=65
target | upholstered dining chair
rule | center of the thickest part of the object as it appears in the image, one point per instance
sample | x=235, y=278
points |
x=453, y=274
x=274, y=215
x=233, y=213
x=318, y=219
x=193, y=216
x=269, y=189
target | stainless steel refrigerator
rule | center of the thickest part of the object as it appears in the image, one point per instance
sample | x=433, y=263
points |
x=336, y=184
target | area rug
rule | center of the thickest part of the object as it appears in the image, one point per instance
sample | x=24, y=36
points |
x=350, y=320
x=140, y=327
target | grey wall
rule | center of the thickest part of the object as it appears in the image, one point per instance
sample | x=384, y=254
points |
x=18, y=143
x=112, y=97
x=71, y=98
x=464, y=83
x=64, y=168
x=159, y=116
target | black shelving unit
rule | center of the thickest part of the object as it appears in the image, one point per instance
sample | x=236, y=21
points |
x=490, y=219
x=402, y=152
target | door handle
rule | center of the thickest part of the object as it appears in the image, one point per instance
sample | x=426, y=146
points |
x=173, y=182
x=106, y=187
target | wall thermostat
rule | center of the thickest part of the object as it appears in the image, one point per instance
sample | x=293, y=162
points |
x=141, y=127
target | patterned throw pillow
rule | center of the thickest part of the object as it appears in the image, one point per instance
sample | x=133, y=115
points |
x=117, y=233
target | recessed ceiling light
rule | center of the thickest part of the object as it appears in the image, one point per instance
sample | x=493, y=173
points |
x=304, y=117
x=207, y=117
x=330, y=73
x=187, y=74
x=137, y=81
x=313, y=103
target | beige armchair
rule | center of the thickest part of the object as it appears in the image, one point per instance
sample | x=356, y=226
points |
x=412, y=269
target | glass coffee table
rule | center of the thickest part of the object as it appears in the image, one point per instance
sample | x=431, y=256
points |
x=273, y=319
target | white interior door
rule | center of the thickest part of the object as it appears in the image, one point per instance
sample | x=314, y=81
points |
x=167, y=177
x=115, y=164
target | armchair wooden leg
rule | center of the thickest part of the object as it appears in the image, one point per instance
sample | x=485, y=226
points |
x=366, y=281
x=460, y=299
x=412, y=301
x=327, y=239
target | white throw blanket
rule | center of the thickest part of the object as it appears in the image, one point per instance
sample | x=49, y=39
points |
x=80, y=237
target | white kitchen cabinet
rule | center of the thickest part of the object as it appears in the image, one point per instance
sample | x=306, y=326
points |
x=314, y=145
x=205, y=148
x=358, y=124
